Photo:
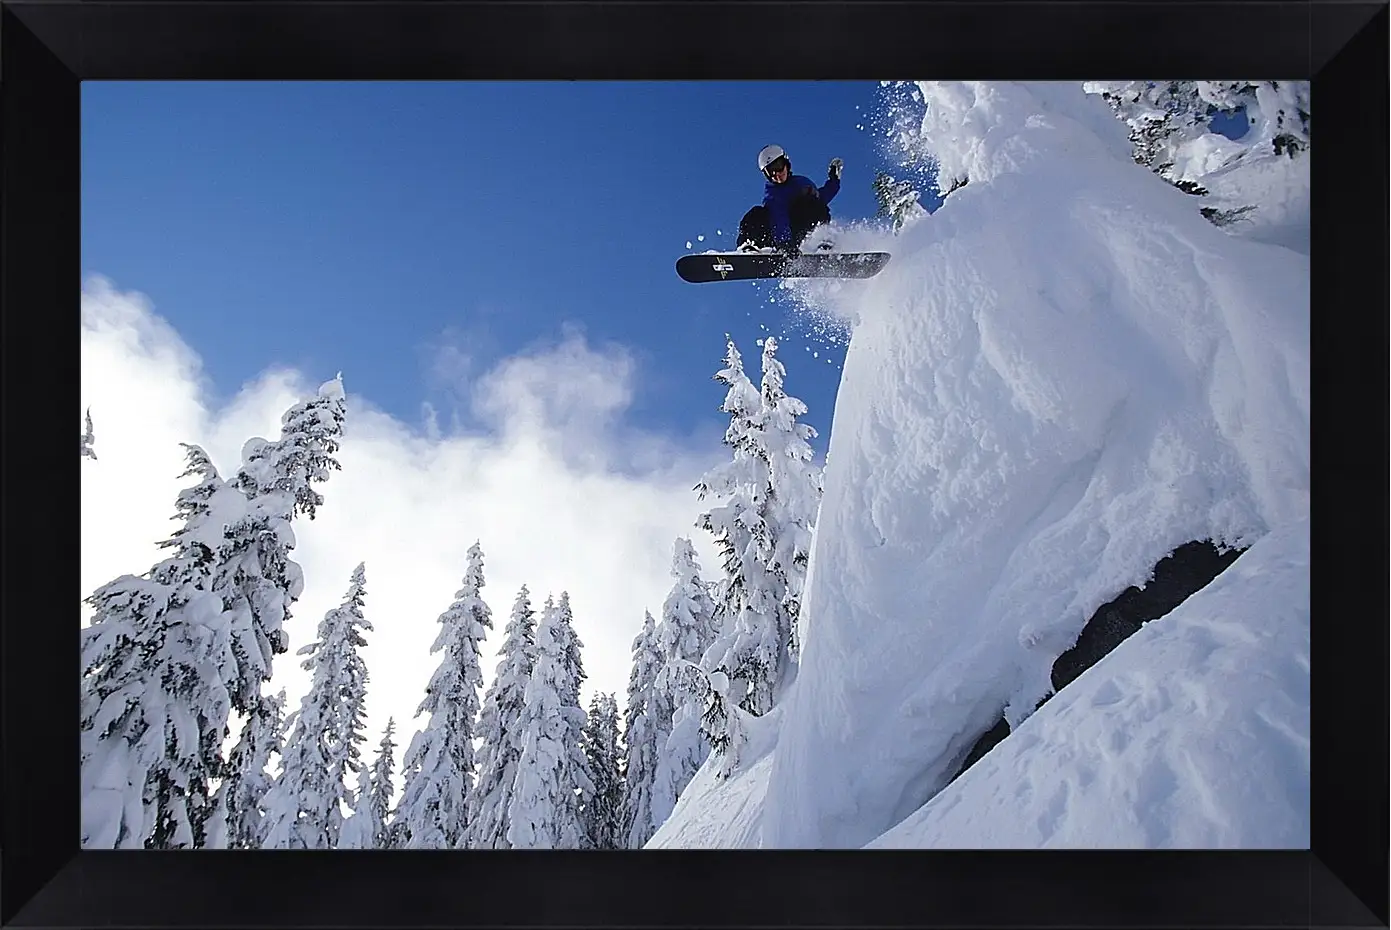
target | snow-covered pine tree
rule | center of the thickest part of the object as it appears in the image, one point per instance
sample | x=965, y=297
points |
x=1280, y=113
x=499, y=730
x=1162, y=115
x=757, y=659
x=682, y=637
x=572, y=679
x=154, y=706
x=688, y=614
x=772, y=493
x=357, y=830
x=310, y=432
x=242, y=793
x=765, y=530
x=794, y=496
x=721, y=723
x=731, y=482
x=544, y=809
x=88, y=438
x=382, y=786
x=1168, y=120
x=898, y=200
x=603, y=807
x=574, y=676
x=643, y=735
x=238, y=548
x=728, y=482
x=304, y=808
x=368, y=827
x=439, y=765
x=257, y=578
x=722, y=720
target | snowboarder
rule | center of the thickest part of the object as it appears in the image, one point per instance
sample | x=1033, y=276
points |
x=792, y=204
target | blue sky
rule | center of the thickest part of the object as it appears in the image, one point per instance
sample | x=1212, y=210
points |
x=363, y=227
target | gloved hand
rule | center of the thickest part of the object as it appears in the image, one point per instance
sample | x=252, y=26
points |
x=834, y=170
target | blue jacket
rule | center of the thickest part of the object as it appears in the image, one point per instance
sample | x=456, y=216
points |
x=777, y=198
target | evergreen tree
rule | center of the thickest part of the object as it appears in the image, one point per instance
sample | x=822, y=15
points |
x=898, y=200
x=572, y=678
x=242, y=794
x=794, y=496
x=303, y=456
x=367, y=828
x=643, y=736
x=765, y=530
x=257, y=579
x=357, y=831
x=603, y=807
x=499, y=730
x=201, y=625
x=154, y=705
x=1162, y=115
x=304, y=809
x=544, y=809
x=1281, y=114
x=439, y=765
x=732, y=483
x=721, y=720
x=1165, y=116
x=88, y=438
x=688, y=614
x=382, y=787
x=682, y=636
x=727, y=481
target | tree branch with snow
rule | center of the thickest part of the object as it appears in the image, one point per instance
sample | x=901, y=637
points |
x=88, y=438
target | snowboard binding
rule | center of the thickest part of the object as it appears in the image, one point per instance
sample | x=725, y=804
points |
x=750, y=248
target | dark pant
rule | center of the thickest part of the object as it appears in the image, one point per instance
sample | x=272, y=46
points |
x=805, y=213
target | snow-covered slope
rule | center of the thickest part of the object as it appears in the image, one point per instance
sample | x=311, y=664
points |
x=1279, y=184
x=1105, y=763
x=1064, y=374
x=728, y=814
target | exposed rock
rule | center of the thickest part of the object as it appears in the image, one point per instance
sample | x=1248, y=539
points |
x=1178, y=576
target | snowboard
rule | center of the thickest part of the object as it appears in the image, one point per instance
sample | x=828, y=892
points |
x=751, y=266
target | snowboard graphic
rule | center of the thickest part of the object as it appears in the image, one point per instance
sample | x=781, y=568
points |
x=751, y=266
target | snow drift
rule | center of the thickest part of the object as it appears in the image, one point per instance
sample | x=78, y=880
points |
x=1065, y=373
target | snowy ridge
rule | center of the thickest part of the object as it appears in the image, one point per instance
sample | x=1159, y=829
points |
x=1065, y=373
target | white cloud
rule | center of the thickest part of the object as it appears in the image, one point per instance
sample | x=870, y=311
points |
x=560, y=493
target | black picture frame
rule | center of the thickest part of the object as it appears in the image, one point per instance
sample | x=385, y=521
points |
x=47, y=49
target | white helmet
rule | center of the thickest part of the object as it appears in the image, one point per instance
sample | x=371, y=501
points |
x=770, y=154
